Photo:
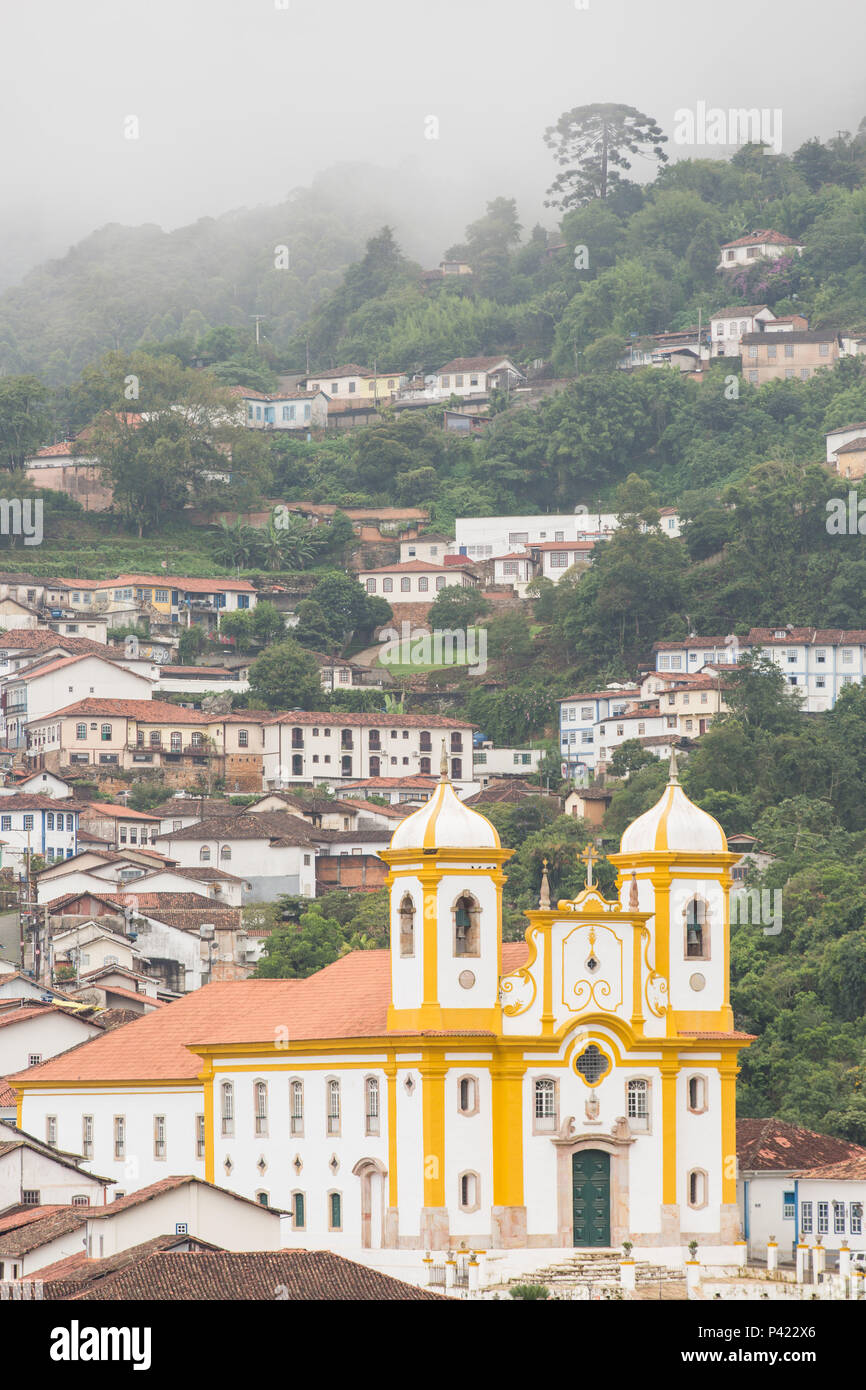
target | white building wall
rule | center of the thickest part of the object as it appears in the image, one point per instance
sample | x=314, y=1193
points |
x=47, y=1035
x=139, y=1104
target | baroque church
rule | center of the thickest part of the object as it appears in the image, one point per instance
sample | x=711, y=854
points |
x=576, y=1088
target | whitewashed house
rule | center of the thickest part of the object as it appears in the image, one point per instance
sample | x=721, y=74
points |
x=727, y=327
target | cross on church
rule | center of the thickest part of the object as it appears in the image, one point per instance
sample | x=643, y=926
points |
x=589, y=857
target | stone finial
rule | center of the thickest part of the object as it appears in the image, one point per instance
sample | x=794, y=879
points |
x=544, y=895
x=633, y=900
x=443, y=764
x=673, y=773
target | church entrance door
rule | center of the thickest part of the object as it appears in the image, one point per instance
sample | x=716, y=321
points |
x=590, y=1172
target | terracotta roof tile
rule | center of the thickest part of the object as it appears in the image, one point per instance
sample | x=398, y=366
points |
x=774, y=1145
x=306, y=1275
x=348, y=999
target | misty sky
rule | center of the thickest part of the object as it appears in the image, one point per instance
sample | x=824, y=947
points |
x=239, y=101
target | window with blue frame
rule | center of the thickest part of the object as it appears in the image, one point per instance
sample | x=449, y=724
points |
x=789, y=1207
x=269, y=414
x=243, y=600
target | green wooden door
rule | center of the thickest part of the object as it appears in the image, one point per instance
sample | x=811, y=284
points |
x=590, y=1175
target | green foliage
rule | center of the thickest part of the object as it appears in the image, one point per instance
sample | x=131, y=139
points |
x=529, y=1291
x=286, y=677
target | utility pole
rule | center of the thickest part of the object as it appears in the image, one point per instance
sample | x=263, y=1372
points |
x=258, y=319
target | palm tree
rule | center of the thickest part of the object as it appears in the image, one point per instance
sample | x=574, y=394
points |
x=236, y=543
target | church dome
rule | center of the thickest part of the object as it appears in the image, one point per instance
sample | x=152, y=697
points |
x=444, y=822
x=674, y=824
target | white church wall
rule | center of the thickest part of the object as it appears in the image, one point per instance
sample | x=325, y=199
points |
x=469, y=1147
x=683, y=969
x=407, y=972
x=410, y=1148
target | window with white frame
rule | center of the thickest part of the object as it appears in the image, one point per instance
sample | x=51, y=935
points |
x=297, y=1107
x=261, y=1107
x=806, y=1218
x=87, y=1136
x=227, y=1108
x=333, y=1107
x=637, y=1103
x=823, y=1218
x=545, y=1106
x=51, y=1129
x=839, y=1218
x=199, y=1136
x=371, y=1105
x=856, y=1218
x=789, y=1206
x=159, y=1145
x=120, y=1136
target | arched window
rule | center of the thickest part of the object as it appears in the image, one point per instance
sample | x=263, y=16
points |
x=227, y=1108
x=371, y=1105
x=261, y=1104
x=545, y=1108
x=49, y=821
x=296, y=1093
x=697, y=1094
x=335, y=1211
x=204, y=854
x=467, y=1095
x=697, y=936
x=423, y=584
x=299, y=1211
x=469, y=1187
x=333, y=1107
x=175, y=741
x=226, y=852
x=467, y=926
x=696, y=1185
x=407, y=926
x=263, y=1199
x=637, y=1104
x=425, y=767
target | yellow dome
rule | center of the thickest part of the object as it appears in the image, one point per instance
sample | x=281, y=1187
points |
x=444, y=822
x=674, y=824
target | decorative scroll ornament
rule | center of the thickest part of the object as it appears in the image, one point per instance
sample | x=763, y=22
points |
x=519, y=988
x=656, y=987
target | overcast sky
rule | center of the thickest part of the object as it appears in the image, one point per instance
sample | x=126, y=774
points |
x=239, y=101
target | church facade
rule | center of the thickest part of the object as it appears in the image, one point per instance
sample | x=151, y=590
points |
x=576, y=1088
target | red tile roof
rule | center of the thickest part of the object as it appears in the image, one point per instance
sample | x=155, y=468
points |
x=760, y=238
x=348, y=999
x=107, y=808
x=420, y=567
x=846, y=1170
x=306, y=1276
x=145, y=711
x=776, y=1146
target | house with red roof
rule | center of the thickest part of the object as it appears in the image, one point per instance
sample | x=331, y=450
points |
x=763, y=244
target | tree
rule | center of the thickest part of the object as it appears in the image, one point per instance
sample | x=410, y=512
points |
x=190, y=644
x=591, y=143
x=344, y=604
x=457, y=607
x=300, y=949
x=312, y=628
x=23, y=418
x=630, y=757
x=286, y=677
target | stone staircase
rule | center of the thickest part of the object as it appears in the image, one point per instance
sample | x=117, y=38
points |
x=596, y=1267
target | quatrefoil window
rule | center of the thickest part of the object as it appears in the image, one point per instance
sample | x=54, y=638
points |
x=592, y=965
x=592, y=1065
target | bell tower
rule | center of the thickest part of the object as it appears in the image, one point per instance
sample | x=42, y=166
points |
x=446, y=882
